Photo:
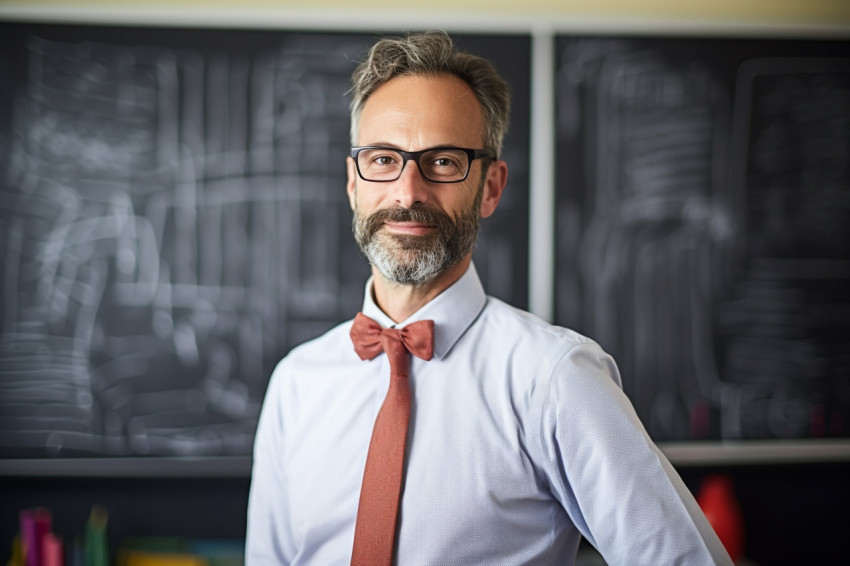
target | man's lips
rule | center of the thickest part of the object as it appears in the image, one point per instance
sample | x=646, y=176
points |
x=410, y=228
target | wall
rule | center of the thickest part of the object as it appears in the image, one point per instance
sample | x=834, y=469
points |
x=797, y=14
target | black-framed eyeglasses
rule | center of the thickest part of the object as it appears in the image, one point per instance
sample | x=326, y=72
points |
x=437, y=164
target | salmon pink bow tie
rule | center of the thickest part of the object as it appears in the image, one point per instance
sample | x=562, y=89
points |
x=370, y=339
x=380, y=492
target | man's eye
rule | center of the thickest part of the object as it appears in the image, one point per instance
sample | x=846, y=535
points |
x=383, y=160
x=446, y=162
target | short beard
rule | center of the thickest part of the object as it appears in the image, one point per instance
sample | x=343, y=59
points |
x=415, y=260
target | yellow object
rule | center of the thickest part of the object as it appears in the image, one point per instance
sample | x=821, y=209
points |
x=141, y=558
x=17, y=558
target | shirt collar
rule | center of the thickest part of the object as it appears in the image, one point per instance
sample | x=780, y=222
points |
x=452, y=311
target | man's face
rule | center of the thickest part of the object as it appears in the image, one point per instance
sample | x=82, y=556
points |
x=412, y=229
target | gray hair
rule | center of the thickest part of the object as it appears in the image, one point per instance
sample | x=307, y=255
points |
x=430, y=54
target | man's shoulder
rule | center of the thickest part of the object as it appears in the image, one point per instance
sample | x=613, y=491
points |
x=524, y=326
x=529, y=341
x=332, y=343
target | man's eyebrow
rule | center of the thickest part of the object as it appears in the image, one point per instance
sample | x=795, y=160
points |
x=389, y=145
x=381, y=144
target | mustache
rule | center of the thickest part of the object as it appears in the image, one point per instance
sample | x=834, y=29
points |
x=416, y=213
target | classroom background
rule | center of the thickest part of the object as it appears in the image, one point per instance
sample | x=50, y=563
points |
x=173, y=221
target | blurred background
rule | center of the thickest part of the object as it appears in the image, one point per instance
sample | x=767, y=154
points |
x=173, y=221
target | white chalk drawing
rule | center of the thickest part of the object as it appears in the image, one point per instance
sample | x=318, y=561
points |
x=655, y=266
x=785, y=317
x=172, y=225
x=172, y=221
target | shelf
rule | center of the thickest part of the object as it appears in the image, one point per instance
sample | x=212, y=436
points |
x=755, y=452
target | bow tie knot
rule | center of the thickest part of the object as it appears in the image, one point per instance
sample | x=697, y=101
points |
x=370, y=339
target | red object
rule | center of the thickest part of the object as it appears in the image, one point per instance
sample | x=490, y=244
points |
x=716, y=498
x=374, y=531
x=35, y=525
x=51, y=551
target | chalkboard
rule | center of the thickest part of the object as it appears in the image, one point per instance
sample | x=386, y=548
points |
x=173, y=220
x=703, y=228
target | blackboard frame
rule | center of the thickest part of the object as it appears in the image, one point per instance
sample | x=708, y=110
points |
x=118, y=62
x=544, y=34
x=691, y=304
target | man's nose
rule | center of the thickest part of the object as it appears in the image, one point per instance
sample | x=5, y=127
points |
x=411, y=187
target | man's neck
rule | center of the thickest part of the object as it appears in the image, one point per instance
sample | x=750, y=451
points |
x=399, y=301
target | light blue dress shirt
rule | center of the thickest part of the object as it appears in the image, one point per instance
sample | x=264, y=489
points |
x=520, y=442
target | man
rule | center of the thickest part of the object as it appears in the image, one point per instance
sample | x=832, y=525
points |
x=519, y=440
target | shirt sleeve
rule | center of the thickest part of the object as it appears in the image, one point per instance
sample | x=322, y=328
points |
x=617, y=487
x=267, y=538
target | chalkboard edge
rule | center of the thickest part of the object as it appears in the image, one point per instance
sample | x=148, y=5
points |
x=162, y=467
x=680, y=454
x=756, y=452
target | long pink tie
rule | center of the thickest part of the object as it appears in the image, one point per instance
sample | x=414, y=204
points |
x=374, y=532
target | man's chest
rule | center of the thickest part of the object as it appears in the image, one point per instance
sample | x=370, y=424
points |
x=470, y=478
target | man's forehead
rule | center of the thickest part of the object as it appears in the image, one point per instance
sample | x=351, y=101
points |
x=413, y=110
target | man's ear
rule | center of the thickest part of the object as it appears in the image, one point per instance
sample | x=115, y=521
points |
x=350, y=186
x=494, y=184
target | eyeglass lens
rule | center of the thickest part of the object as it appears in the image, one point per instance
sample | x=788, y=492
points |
x=440, y=165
